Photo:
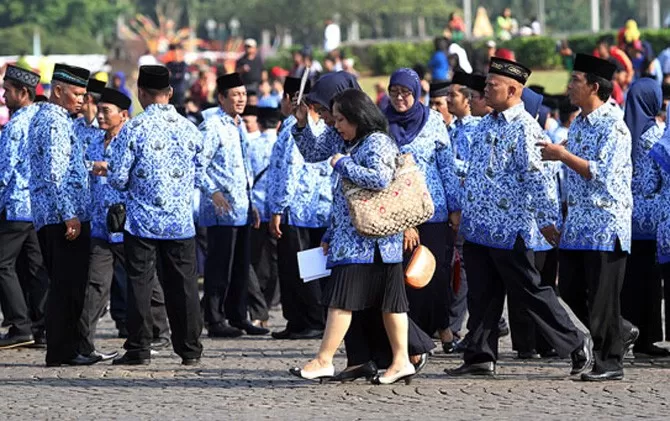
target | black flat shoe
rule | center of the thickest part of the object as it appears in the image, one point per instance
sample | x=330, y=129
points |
x=9, y=341
x=629, y=341
x=249, y=328
x=487, y=369
x=223, y=331
x=126, y=360
x=190, y=361
x=306, y=334
x=602, y=377
x=368, y=370
x=282, y=334
x=103, y=356
x=549, y=354
x=527, y=355
x=582, y=357
x=448, y=347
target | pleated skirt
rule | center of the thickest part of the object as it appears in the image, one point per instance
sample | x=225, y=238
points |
x=359, y=287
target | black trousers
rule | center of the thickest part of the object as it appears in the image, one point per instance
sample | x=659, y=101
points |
x=458, y=301
x=174, y=262
x=226, y=274
x=201, y=248
x=103, y=259
x=642, y=293
x=67, y=265
x=301, y=302
x=23, y=278
x=493, y=272
x=590, y=283
x=263, y=274
x=429, y=306
x=525, y=335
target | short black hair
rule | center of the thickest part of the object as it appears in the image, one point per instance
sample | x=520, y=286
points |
x=357, y=107
x=605, y=87
x=28, y=88
x=269, y=123
x=467, y=92
x=155, y=92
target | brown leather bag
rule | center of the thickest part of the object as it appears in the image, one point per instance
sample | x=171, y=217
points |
x=421, y=268
x=405, y=203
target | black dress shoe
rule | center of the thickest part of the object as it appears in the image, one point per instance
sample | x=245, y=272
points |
x=103, y=356
x=126, y=360
x=10, y=340
x=249, y=328
x=83, y=360
x=629, y=340
x=528, y=355
x=306, y=334
x=123, y=332
x=479, y=369
x=503, y=328
x=582, y=357
x=40, y=339
x=594, y=376
x=461, y=345
x=283, y=334
x=549, y=354
x=368, y=370
x=223, y=331
x=190, y=361
x=652, y=350
x=448, y=347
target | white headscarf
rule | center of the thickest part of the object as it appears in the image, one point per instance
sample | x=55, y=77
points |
x=455, y=49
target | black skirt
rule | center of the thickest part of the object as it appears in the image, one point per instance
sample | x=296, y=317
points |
x=359, y=287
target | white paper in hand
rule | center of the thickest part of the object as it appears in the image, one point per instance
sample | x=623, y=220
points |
x=303, y=84
x=312, y=264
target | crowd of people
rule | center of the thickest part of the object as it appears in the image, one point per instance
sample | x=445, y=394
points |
x=535, y=196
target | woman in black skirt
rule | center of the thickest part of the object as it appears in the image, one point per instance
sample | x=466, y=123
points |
x=366, y=272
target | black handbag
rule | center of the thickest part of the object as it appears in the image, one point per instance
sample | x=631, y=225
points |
x=116, y=218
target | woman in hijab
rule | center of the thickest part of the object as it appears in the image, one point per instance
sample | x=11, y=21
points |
x=367, y=345
x=642, y=291
x=422, y=132
x=119, y=83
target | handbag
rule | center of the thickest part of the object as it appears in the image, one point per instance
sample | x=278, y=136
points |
x=421, y=268
x=116, y=218
x=405, y=203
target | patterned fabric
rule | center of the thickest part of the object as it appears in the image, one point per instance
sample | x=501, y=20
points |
x=372, y=165
x=509, y=190
x=600, y=209
x=59, y=188
x=434, y=155
x=15, y=165
x=227, y=169
x=663, y=231
x=646, y=186
x=260, y=149
x=461, y=139
x=300, y=190
x=103, y=195
x=158, y=161
x=85, y=131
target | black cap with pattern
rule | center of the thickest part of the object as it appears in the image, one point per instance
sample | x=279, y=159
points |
x=510, y=69
x=23, y=76
x=71, y=75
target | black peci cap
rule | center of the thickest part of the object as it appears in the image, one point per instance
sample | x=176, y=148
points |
x=510, y=69
x=153, y=77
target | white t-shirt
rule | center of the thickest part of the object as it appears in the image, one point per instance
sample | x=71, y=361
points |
x=332, y=37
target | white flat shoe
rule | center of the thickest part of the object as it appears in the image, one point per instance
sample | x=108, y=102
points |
x=405, y=375
x=321, y=374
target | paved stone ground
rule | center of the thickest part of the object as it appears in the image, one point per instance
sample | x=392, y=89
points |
x=246, y=379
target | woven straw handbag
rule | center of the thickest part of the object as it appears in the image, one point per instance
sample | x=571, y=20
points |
x=405, y=203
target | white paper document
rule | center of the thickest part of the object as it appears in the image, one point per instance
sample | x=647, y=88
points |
x=312, y=264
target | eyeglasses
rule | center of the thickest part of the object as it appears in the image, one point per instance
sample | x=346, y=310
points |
x=394, y=92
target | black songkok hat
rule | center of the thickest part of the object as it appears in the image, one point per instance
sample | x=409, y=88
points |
x=595, y=66
x=510, y=69
x=95, y=86
x=153, y=77
x=23, y=76
x=71, y=75
x=229, y=81
x=250, y=110
x=439, y=89
x=666, y=91
x=269, y=114
x=477, y=82
x=292, y=86
x=537, y=89
x=461, y=78
x=112, y=96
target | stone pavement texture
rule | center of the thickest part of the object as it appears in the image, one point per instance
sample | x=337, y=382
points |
x=247, y=379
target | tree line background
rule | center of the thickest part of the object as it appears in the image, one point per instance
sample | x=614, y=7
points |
x=89, y=26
